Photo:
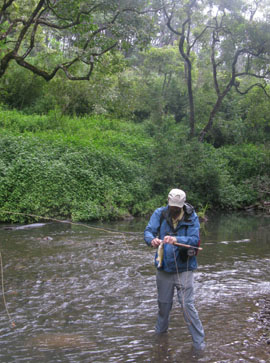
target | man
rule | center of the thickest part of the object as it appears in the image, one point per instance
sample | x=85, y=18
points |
x=176, y=223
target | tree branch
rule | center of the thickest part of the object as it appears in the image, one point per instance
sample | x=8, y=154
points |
x=27, y=25
x=199, y=36
x=5, y=6
x=11, y=27
x=33, y=34
x=52, y=15
x=253, y=12
x=169, y=20
x=259, y=85
x=82, y=78
x=214, y=64
x=48, y=76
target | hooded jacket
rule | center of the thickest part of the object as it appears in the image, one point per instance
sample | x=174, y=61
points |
x=187, y=231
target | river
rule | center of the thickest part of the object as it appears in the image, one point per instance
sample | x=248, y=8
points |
x=78, y=293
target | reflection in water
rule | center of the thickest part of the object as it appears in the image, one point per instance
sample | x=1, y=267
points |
x=82, y=295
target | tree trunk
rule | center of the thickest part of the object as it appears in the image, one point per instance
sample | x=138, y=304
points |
x=215, y=109
x=189, y=85
x=211, y=118
x=191, y=102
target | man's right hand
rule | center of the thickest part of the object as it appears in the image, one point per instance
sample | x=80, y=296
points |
x=156, y=242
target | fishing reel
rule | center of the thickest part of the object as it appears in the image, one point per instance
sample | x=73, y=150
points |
x=191, y=252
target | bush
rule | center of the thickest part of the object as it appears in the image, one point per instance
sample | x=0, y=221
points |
x=21, y=89
x=99, y=168
x=227, y=178
x=56, y=179
x=246, y=161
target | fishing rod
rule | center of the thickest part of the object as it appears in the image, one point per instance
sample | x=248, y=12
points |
x=187, y=246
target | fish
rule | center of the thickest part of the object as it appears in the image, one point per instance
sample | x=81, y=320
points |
x=160, y=253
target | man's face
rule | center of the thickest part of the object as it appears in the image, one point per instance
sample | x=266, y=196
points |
x=174, y=211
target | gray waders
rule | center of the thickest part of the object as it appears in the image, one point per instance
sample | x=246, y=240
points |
x=183, y=283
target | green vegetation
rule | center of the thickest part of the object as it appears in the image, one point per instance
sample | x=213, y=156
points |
x=97, y=168
x=105, y=106
x=82, y=169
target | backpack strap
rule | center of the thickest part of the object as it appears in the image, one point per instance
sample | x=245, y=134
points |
x=162, y=217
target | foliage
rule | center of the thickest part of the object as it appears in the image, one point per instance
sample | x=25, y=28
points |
x=248, y=166
x=223, y=41
x=255, y=115
x=247, y=161
x=30, y=93
x=114, y=136
x=151, y=86
x=99, y=168
x=60, y=180
x=20, y=89
x=224, y=53
x=68, y=36
x=228, y=177
x=114, y=142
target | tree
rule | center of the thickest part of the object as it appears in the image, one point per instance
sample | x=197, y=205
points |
x=238, y=46
x=68, y=35
x=240, y=56
x=151, y=87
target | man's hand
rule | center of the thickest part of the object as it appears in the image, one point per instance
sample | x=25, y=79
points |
x=156, y=242
x=170, y=239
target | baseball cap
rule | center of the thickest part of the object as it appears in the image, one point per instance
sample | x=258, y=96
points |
x=176, y=198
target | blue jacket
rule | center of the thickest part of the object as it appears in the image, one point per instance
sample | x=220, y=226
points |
x=187, y=232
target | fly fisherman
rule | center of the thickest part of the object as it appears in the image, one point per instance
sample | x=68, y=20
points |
x=176, y=223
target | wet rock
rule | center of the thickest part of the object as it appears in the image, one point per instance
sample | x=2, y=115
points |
x=53, y=341
x=47, y=238
x=33, y=225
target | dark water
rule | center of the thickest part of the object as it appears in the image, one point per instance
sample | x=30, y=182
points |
x=78, y=294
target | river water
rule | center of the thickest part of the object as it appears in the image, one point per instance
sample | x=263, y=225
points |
x=78, y=294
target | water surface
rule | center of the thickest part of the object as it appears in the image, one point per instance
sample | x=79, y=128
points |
x=78, y=294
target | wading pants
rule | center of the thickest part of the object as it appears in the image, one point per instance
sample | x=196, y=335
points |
x=183, y=283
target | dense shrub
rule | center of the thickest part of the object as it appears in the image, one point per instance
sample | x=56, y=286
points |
x=59, y=180
x=99, y=168
x=246, y=160
x=20, y=88
x=229, y=178
x=112, y=136
x=248, y=166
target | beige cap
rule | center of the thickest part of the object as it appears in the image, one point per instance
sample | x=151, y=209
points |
x=176, y=198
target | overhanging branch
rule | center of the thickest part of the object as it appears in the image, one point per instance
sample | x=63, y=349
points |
x=259, y=85
x=64, y=67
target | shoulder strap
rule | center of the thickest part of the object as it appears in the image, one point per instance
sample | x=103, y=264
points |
x=162, y=217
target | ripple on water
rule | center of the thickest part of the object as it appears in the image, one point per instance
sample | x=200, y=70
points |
x=84, y=295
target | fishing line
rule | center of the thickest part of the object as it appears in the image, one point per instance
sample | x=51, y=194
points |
x=3, y=292
x=123, y=233
x=70, y=222
x=185, y=286
x=60, y=221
